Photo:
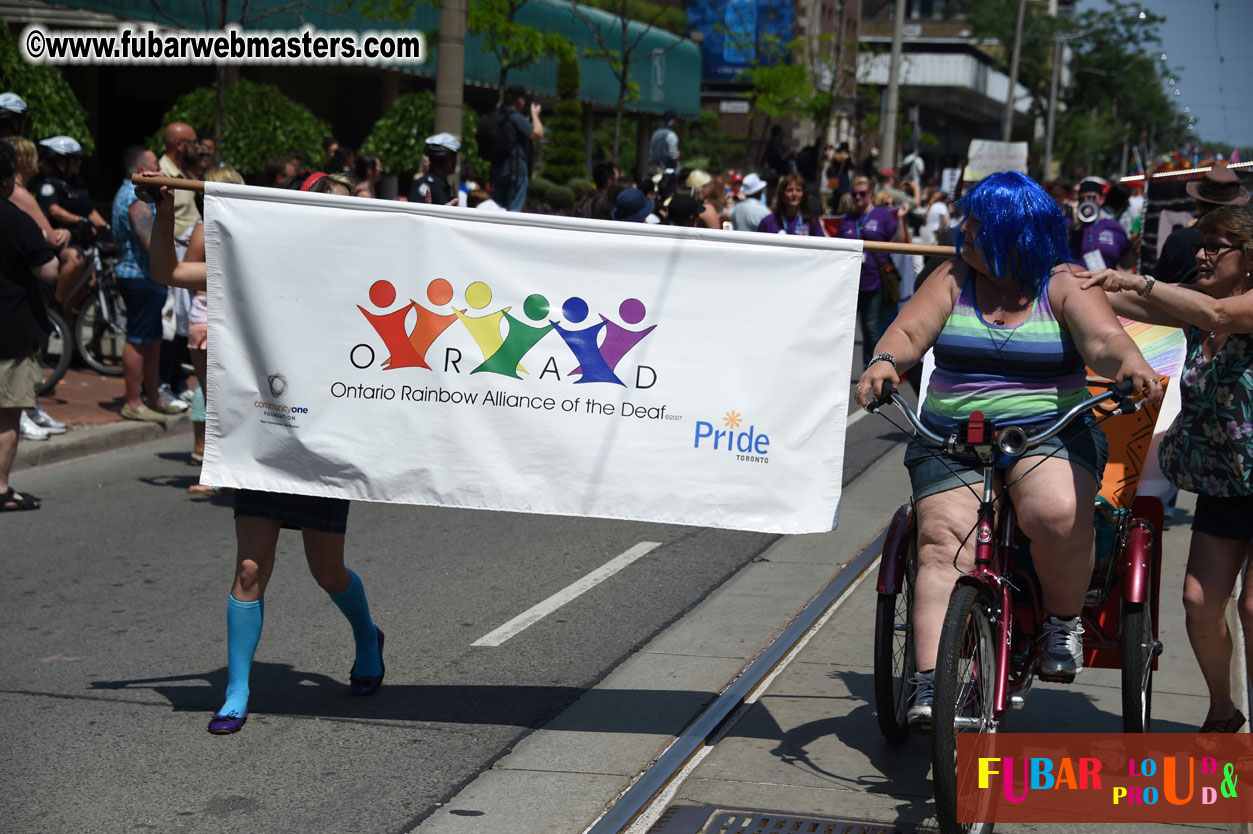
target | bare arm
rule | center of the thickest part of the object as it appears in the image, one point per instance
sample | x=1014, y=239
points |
x=1182, y=303
x=537, y=128
x=163, y=265
x=195, y=247
x=1101, y=341
x=47, y=271
x=914, y=330
x=141, y=223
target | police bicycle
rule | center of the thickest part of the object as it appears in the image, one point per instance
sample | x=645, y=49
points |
x=988, y=653
x=95, y=309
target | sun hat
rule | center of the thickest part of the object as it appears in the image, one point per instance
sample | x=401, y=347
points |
x=1219, y=187
x=752, y=185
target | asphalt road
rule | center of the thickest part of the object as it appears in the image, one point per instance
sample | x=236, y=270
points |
x=112, y=617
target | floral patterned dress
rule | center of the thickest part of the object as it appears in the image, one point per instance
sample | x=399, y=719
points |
x=1209, y=447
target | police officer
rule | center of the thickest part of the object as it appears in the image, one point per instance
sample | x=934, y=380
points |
x=432, y=187
x=60, y=189
x=13, y=113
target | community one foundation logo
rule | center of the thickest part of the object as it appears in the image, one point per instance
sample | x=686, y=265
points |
x=504, y=336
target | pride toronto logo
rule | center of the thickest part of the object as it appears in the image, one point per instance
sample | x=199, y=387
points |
x=504, y=337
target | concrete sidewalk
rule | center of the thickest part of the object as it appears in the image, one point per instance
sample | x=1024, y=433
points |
x=90, y=404
x=808, y=746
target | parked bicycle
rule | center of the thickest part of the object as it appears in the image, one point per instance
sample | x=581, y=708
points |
x=988, y=653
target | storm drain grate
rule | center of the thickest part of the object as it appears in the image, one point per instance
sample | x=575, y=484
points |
x=686, y=819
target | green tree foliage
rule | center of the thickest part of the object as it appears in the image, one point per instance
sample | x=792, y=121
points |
x=565, y=161
x=1116, y=93
x=671, y=18
x=399, y=136
x=258, y=122
x=602, y=145
x=781, y=88
x=515, y=45
x=55, y=110
x=705, y=139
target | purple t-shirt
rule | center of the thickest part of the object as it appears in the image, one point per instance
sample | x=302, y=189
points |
x=877, y=224
x=1105, y=236
x=796, y=226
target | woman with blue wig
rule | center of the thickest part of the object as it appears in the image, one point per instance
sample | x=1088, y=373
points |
x=1011, y=330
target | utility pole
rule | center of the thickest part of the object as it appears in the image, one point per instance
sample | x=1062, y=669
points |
x=450, y=67
x=1059, y=50
x=1007, y=125
x=894, y=71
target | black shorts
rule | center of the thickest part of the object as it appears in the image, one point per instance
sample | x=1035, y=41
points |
x=296, y=512
x=1224, y=518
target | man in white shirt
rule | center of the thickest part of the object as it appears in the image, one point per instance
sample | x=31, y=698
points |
x=750, y=210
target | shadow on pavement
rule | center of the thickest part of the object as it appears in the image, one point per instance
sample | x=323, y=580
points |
x=280, y=689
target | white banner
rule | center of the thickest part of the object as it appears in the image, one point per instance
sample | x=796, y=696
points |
x=988, y=157
x=383, y=351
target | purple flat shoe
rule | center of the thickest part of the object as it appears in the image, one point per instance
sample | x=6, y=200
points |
x=362, y=685
x=224, y=725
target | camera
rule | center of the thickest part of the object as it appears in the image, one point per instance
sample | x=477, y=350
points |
x=1088, y=211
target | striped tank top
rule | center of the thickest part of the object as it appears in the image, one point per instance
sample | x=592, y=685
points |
x=1026, y=373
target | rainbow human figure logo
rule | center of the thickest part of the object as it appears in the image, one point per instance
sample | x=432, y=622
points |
x=597, y=348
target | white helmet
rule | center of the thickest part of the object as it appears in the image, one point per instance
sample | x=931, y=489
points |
x=62, y=146
x=11, y=104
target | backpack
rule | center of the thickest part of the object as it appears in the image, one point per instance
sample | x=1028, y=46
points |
x=494, y=136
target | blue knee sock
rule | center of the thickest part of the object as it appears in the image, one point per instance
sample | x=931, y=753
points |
x=243, y=632
x=353, y=604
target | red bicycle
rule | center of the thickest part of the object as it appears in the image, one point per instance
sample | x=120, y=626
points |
x=988, y=653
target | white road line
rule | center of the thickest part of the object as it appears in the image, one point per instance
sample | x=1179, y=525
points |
x=540, y=611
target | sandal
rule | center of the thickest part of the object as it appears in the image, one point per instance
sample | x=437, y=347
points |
x=1224, y=725
x=17, y=501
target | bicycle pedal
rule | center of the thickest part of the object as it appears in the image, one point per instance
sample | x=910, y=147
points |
x=1056, y=678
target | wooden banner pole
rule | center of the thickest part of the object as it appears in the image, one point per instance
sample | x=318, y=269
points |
x=870, y=245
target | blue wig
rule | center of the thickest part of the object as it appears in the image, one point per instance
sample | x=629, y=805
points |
x=1022, y=233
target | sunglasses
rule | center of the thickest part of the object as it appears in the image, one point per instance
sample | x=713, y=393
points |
x=860, y=193
x=1213, y=249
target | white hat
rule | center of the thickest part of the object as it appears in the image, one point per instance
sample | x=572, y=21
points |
x=751, y=185
x=13, y=103
x=63, y=146
x=444, y=140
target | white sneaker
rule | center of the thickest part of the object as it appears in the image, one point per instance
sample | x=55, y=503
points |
x=167, y=403
x=46, y=421
x=922, y=698
x=31, y=430
x=1061, y=647
x=187, y=396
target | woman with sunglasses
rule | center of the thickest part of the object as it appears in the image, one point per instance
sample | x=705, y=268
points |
x=867, y=221
x=1209, y=448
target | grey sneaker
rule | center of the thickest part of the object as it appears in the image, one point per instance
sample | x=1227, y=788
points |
x=46, y=421
x=924, y=694
x=1061, y=647
x=30, y=430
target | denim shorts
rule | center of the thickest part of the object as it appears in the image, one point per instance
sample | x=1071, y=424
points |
x=1224, y=518
x=144, y=300
x=1082, y=443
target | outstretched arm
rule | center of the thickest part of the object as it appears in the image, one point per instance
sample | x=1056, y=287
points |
x=1179, y=304
x=163, y=265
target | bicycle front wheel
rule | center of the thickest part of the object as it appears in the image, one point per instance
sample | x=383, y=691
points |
x=100, y=332
x=54, y=360
x=965, y=677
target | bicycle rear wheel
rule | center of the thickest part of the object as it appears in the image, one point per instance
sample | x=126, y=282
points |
x=54, y=360
x=964, y=691
x=894, y=654
x=100, y=332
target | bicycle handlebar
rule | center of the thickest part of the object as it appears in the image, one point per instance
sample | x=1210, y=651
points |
x=1014, y=441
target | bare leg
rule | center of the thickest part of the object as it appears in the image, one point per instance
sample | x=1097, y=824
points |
x=199, y=361
x=1055, y=504
x=256, y=540
x=944, y=520
x=133, y=369
x=9, y=420
x=1213, y=564
x=325, y=554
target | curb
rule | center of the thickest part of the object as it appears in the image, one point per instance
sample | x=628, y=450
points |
x=90, y=440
